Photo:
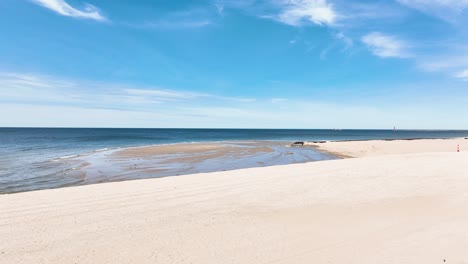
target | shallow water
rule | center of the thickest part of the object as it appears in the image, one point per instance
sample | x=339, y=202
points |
x=41, y=158
x=113, y=166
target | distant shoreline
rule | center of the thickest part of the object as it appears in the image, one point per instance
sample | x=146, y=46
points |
x=175, y=159
x=204, y=128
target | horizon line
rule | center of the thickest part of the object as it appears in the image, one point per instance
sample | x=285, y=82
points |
x=230, y=128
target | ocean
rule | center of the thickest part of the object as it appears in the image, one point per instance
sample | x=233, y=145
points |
x=42, y=158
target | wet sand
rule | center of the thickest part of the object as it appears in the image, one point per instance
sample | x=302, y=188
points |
x=171, y=149
x=181, y=159
x=108, y=165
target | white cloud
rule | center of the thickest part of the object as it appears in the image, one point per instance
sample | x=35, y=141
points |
x=445, y=9
x=429, y=4
x=452, y=62
x=42, y=89
x=278, y=100
x=448, y=62
x=185, y=19
x=16, y=80
x=63, y=8
x=462, y=75
x=296, y=12
x=385, y=46
x=170, y=94
x=181, y=24
x=359, y=12
x=36, y=100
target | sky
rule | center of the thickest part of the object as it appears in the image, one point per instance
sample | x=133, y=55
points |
x=234, y=63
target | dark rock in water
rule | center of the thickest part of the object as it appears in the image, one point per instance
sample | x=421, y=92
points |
x=315, y=142
x=298, y=143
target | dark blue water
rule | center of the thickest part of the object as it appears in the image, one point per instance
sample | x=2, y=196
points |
x=26, y=153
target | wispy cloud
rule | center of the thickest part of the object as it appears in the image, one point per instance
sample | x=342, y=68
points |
x=332, y=13
x=180, y=24
x=445, y=9
x=63, y=8
x=298, y=12
x=38, y=100
x=449, y=62
x=219, y=7
x=348, y=42
x=278, y=100
x=449, y=59
x=169, y=94
x=386, y=46
x=18, y=80
x=369, y=10
x=343, y=43
x=42, y=89
x=185, y=19
x=462, y=75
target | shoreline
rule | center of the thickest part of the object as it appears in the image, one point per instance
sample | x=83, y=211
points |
x=175, y=159
x=314, y=143
x=156, y=161
x=286, y=141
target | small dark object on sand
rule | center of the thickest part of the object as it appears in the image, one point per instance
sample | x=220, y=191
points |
x=298, y=143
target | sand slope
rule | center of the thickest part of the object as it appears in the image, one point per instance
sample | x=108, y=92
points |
x=383, y=147
x=389, y=209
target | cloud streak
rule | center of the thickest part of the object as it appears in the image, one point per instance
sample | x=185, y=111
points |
x=186, y=19
x=462, y=75
x=42, y=89
x=167, y=24
x=63, y=8
x=385, y=46
x=445, y=9
x=38, y=100
x=297, y=12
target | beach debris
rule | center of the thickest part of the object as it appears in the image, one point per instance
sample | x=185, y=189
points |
x=458, y=148
x=297, y=143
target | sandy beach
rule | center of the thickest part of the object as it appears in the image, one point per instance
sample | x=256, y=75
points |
x=393, y=202
x=386, y=147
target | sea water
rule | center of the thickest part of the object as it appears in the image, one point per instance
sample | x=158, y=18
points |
x=41, y=158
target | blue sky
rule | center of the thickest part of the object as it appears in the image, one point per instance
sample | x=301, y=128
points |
x=240, y=64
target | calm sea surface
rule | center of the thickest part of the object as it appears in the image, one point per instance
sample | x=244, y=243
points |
x=39, y=158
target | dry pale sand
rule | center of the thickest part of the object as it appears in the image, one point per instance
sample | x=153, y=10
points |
x=382, y=147
x=405, y=208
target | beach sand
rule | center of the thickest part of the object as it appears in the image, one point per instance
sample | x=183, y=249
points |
x=386, y=147
x=405, y=207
